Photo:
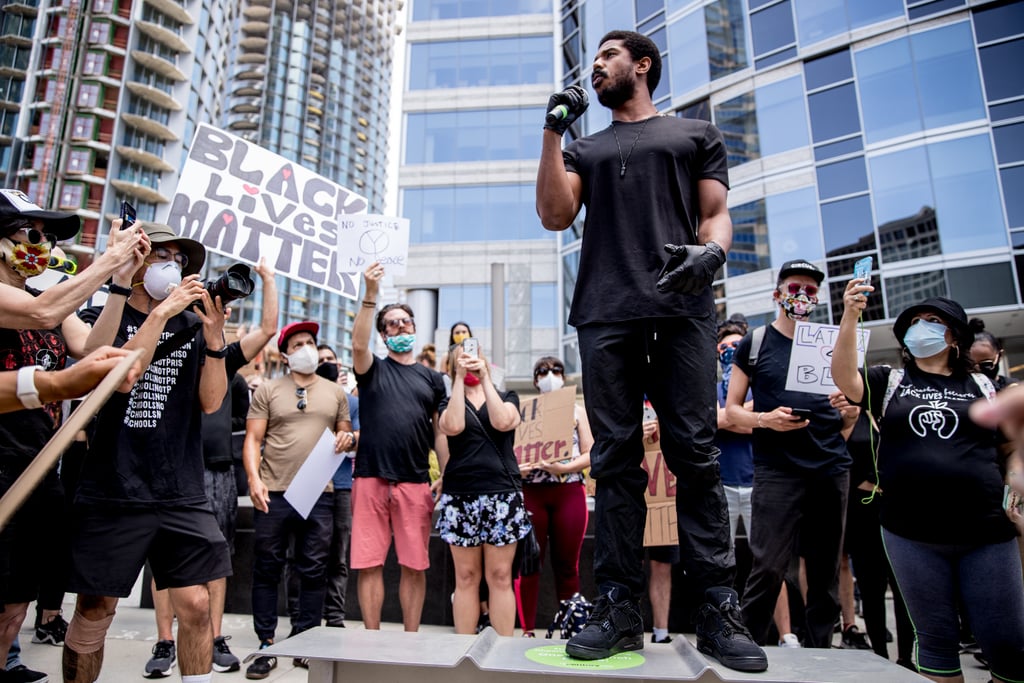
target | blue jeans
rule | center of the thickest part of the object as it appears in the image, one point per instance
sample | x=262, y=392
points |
x=14, y=654
x=272, y=532
x=988, y=580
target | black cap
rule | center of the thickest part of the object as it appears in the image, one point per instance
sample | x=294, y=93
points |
x=950, y=311
x=16, y=204
x=801, y=267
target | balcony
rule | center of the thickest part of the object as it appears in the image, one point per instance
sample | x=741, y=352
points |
x=158, y=65
x=146, y=194
x=157, y=97
x=255, y=43
x=149, y=126
x=255, y=29
x=163, y=36
x=256, y=13
x=144, y=158
x=244, y=105
x=28, y=8
x=173, y=10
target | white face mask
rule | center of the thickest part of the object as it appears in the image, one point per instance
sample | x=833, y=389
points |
x=161, y=278
x=304, y=360
x=550, y=382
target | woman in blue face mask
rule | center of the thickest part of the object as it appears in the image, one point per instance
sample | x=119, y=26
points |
x=941, y=488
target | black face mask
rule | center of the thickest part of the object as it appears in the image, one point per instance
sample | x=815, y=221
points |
x=989, y=369
x=328, y=371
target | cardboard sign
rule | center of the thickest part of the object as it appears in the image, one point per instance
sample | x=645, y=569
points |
x=366, y=238
x=661, y=498
x=243, y=201
x=546, y=430
x=810, y=362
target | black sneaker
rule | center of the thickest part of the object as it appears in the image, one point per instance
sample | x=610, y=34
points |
x=722, y=635
x=612, y=627
x=853, y=639
x=22, y=674
x=301, y=662
x=223, y=660
x=162, y=661
x=665, y=640
x=261, y=666
x=51, y=632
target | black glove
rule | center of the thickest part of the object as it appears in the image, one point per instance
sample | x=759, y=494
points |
x=565, y=107
x=690, y=268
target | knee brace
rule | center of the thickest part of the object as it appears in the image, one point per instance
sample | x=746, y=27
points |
x=86, y=636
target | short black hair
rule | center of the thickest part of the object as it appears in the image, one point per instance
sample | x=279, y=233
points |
x=639, y=46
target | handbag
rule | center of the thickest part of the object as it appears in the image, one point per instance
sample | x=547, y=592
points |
x=527, y=558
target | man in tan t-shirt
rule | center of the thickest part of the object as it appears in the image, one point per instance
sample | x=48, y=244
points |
x=287, y=417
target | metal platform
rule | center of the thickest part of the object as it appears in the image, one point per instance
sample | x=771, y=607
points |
x=337, y=655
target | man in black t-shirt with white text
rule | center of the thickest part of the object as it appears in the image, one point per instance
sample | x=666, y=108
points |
x=656, y=232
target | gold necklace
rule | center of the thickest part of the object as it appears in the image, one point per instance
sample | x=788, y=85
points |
x=623, y=162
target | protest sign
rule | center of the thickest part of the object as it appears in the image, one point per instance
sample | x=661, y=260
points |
x=546, y=430
x=243, y=201
x=810, y=362
x=661, y=498
x=366, y=238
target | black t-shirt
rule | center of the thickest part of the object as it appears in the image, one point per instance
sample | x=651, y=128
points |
x=217, y=426
x=937, y=469
x=23, y=433
x=396, y=408
x=146, y=448
x=818, y=447
x=474, y=465
x=629, y=219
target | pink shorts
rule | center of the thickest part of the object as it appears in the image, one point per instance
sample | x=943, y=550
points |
x=380, y=508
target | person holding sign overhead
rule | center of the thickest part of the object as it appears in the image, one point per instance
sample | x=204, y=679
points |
x=801, y=465
x=946, y=509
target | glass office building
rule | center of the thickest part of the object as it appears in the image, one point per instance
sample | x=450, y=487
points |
x=477, y=80
x=889, y=128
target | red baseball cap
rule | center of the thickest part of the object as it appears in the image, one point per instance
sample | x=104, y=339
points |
x=292, y=328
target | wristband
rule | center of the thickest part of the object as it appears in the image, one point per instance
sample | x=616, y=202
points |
x=27, y=392
x=219, y=353
x=759, y=416
x=370, y=304
x=119, y=290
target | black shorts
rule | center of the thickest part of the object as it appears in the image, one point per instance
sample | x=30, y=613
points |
x=34, y=534
x=109, y=547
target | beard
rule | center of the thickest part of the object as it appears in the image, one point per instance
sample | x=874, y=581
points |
x=618, y=91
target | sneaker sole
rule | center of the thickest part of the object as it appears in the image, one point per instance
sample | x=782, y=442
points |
x=159, y=674
x=221, y=669
x=628, y=644
x=47, y=640
x=746, y=664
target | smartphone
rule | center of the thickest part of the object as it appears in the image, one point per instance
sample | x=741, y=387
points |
x=802, y=413
x=471, y=346
x=862, y=271
x=127, y=215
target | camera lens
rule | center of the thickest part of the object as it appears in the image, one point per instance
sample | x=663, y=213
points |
x=236, y=283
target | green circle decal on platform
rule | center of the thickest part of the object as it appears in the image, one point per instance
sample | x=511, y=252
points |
x=554, y=655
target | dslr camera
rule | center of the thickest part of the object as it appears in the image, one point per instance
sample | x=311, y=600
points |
x=235, y=283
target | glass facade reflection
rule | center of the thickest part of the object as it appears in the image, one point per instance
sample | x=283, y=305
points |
x=889, y=128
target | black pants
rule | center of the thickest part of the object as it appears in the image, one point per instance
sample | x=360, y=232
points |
x=871, y=567
x=673, y=362
x=337, y=561
x=787, y=506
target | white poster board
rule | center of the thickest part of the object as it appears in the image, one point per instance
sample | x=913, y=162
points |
x=810, y=363
x=243, y=201
x=366, y=238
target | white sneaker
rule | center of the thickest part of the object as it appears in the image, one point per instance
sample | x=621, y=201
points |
x=789, y=640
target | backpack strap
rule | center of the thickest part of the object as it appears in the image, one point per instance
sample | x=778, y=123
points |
x=895, y=377
x=756, y=342
x=988, y=390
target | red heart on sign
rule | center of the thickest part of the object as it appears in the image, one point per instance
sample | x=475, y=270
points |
x=250, y=189
x=227, y=218
x=286, y=172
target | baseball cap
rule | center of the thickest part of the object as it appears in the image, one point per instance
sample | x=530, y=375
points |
x=294, y=328
x=950, y=311
x=196, y=252
x=801, y=267
x=16, y=204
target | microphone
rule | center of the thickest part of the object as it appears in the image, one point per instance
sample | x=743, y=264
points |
x=556, y=114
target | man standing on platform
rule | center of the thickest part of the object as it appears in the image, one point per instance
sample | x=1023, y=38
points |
x=391, y=492
x=656, y=232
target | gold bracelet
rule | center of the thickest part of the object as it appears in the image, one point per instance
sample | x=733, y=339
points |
x=759, y=416
x=370, y=304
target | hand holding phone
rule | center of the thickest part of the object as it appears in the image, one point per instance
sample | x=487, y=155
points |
x=127, y=215
x=802, y=413
x=471, y=347
x=862, y=271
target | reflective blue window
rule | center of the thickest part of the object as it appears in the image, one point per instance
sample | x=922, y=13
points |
x=848, y=226
x=645, y=8
x=472, y=213
x=835, y=149
x=772, y=28
x=904, y=205
x=737, y=120
x=864, y=12
x=820, y=19
x=793, y=230
x=966, y=194
x=947, y=75
x=979, y=286
x=726, y=37
x=471, y=135
x=827, y=70
x=781, y=116
x=775, y=58
x=749, y=252
x=425, y=10
x=999, y=22
x=833, y=113
x=923, y=10
x=1001, y=66
x=471, y=303
x=841, y=178
x=1001, y=112
x=1009, y=143
x=688, y=48
x=887, y=93
x=1013, y=190
x=467, y=63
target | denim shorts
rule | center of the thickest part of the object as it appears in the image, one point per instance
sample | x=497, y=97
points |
x=473, y=520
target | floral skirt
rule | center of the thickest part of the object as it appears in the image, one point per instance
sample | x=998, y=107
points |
x=472, y=520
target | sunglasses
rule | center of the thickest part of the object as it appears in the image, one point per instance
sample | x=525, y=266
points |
x=988, y=364
x=396, y=323
x=795, y=288
x=726, y=345
x=543, y=372
x=34, y=236
x=165, y=254
x=300, y=392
